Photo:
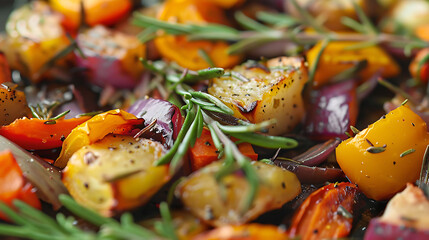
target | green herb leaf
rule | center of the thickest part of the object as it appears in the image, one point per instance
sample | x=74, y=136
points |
x=266, y=141
x=375, y=149
x=409, y=151
x=249, y=23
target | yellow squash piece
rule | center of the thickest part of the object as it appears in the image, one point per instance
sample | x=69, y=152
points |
x=115, y=173
x=382, y=158
x=113, y=121
x=265, y=91
x=336, y=58
x=222, y=203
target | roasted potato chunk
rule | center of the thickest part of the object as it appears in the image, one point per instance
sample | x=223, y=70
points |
x=222, y=203
x=34, y=37
x=263, y=91
x=115, y=173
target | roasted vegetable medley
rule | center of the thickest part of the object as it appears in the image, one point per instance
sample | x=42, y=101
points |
x=215, y=119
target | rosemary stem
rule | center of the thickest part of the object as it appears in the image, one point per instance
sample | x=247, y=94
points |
x=242, y=161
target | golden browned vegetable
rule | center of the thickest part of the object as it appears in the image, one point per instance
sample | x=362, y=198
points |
x=115, y=173
x=263, y=91
x=13, y=104
x=34, y=37
x=221, y=203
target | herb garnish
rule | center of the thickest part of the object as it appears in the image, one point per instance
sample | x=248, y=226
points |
x=373, y=149
x=409, y=151
x=34, y=224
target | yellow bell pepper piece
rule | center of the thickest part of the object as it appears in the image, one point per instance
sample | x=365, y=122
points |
x=382, y=158
x=113, y=121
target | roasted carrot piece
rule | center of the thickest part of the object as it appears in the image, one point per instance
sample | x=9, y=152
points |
x=204, y=151
x=326, y=213
x=13, y=185
x=36, y=134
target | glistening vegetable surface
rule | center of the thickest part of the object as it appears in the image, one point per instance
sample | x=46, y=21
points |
x=214, y=119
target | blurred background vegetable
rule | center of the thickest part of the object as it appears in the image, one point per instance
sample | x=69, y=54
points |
x=34, y=36
x=110, y=57
x=95, y=12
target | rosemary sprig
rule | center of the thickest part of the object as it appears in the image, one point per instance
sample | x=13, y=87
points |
x=249, y=23
x=396, y=90
x=261, y=34
x=232, y=152
x=277, y=19
x=44, y=111
x=34, y=224
x=204, y=55
x=166, y=227
x=313, y=68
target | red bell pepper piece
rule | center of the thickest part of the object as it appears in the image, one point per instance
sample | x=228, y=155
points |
x=35, y=134
x=13, y=186
x=204, y=151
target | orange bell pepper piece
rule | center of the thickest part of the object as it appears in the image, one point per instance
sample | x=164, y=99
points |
x=326, y=213
x=13, y=185
x=184, y=52
x=36, y=134
x=114, y=121
x=382, y=158
x=96, y=11
x=336, y=58
x=204, y=151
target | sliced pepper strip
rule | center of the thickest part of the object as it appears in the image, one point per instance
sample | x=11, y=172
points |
x=35, y=134
x=114, y=121
x=326, y=213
